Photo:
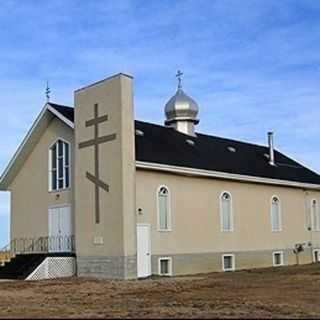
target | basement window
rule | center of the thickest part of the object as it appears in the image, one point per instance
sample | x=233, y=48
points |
x=316, y=255
x=277, y=258
x=165, y=266
x=228, y=262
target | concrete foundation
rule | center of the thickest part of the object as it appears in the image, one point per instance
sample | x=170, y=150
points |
x=107, y=267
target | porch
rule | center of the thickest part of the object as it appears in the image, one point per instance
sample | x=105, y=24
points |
x=38, y=258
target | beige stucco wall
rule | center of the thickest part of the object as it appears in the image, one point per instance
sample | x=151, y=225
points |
x=196, y=215
x=116, y=229
x=30, y=197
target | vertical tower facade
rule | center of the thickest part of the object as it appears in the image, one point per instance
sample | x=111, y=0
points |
x=105, y=179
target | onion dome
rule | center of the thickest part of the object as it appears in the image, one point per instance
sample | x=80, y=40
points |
x=181, y=109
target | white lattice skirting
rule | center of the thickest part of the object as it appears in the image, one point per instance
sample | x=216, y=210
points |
x=54, y=267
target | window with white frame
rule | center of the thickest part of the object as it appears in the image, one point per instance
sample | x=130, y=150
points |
x=165, y=266
x=226, y=212
x=277, y=258
x=164, y=215
x=315, y=216
x=316, y=255
x=228, y=262
x=59, y=165
x=275, y=214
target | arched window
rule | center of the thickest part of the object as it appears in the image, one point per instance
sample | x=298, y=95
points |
x=163, y=196
x=315, y=216
x=226, y=212
x=59, y=165
x=275, y=214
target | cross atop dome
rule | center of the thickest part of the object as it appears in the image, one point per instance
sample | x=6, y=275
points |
x=179, y=77
x=181, y=110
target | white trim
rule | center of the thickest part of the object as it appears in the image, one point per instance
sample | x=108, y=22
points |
x=233, y=268
x=280, y=213
x=314, y=228
x=58, y=206
x=313, y=256
x=169, y=210
x=60, y=116
x=231, y=212
x=281, y=258
x=223, y=175
x=24, y=142
x=169, y=259
x=49, y=169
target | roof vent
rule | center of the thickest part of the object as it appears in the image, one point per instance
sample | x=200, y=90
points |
x=271, y=148
x=190, y=142
x=232, y=149
x=139, y=133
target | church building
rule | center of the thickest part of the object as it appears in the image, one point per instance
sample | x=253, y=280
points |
x=95, y=192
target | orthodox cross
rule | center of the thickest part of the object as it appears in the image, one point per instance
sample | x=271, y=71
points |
x=48, y=91
x=95, y=142
x=179, y=77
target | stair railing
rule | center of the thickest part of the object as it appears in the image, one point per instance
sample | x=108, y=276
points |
x=6, y=253
x=57, y=244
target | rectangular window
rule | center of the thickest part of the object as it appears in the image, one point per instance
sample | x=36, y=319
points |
x=316, y=255
x=228, y=262
x=165, y=266
x=60, y=167
x=67, y=177
x=60, y=148
x=275, y=214
x=315, y=216
x=163, y=207
x=226, y=212
x=54, y=180
x=66, y=154
x=163, y=201
x=277, y=259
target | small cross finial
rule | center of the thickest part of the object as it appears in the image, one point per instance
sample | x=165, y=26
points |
x=48, y=91
x=179, y=77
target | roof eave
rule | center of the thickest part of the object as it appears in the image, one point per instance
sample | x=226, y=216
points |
x=36, y=129
x=60, y=116
x=223, y=175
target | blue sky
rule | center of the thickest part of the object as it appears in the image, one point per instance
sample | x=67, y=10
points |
x=252, y=65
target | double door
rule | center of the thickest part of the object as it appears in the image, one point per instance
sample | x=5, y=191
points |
x=60, y=229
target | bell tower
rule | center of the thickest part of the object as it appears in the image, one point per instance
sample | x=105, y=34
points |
x=105, y=179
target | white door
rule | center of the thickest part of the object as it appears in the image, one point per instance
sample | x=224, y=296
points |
x=60, y=229
x=143, y=250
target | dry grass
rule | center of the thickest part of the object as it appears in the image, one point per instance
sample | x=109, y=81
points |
x=283, y=292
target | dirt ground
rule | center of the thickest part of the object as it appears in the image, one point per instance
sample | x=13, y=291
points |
x=275, y=292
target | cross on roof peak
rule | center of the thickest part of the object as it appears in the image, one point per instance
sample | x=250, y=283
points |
x=48, y=91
